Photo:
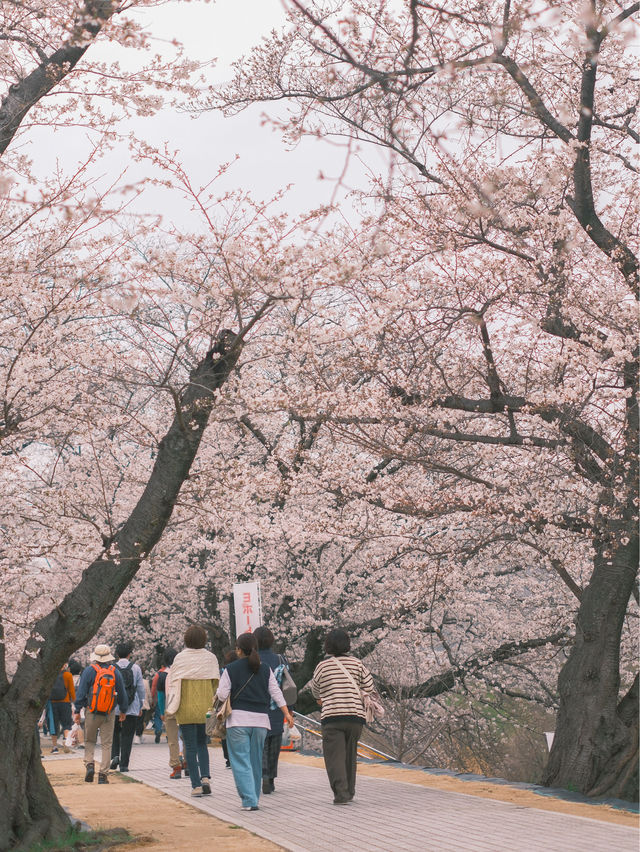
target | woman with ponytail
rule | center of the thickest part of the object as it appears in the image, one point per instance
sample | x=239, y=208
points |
x=251, y=685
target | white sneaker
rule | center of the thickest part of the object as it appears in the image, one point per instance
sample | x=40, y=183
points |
x=196, y=791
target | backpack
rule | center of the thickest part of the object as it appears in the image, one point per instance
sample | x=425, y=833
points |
x=59, y=689
x=161, y=683
x=286, y=684
x=103, y=692
x=129, y=683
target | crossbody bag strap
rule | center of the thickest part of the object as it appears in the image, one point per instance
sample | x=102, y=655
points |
x=349, y=675
x=231, y=697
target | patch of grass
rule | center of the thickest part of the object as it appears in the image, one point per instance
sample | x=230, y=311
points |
x=91, y=841
x=128, y=779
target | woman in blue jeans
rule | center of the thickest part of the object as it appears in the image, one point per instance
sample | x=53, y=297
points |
x=190, y=685
x=251, y=685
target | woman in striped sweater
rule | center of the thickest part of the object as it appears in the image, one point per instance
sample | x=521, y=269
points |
x=337, y=685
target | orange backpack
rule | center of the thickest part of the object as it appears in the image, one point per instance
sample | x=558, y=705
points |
x=103, y=694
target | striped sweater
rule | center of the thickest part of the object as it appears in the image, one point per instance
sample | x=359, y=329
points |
x=339, y=696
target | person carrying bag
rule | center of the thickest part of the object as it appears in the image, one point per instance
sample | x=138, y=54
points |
x=338, y=685
x=250, y=684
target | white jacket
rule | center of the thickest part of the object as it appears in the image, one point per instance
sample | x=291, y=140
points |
x=190, y=664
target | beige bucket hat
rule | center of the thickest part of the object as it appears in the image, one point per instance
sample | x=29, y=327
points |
x=102, y=654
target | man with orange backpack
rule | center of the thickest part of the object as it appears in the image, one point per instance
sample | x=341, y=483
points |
x=101, y=686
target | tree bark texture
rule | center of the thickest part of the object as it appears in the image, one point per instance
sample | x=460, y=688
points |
x=595, y=749
x=30, y=810
x=35, y=811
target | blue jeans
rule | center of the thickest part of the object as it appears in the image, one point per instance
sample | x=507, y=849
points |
x=196, y=752
x=245, y=747
x=157, y=721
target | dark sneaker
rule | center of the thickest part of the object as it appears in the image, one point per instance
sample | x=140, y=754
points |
x=157, y=738
x=268, y=785
x=88, y=776
x=54, y=750
x=206, y=786
x=102, y=778
x=114, y=763
x=341, y=801
x=252, y=808
x=176, y=773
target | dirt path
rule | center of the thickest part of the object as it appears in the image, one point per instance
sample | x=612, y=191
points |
x=160, y=823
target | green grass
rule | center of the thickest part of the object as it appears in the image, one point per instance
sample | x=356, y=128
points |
x=84, y=840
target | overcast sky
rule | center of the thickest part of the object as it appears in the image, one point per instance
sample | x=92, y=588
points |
x=223, y=30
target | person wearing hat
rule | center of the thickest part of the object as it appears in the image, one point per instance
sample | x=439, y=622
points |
x=103, y=722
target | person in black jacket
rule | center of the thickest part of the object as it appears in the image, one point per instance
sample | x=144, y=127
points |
x=272, y=744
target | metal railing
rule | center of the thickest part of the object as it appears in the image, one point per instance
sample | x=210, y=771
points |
x=309, y=727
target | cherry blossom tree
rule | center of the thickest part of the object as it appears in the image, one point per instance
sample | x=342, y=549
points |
x=98, y=360
x=115, y=346
x=300, y=505
x=489, y=340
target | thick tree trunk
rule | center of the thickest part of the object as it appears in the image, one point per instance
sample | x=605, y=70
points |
x=29, y=810
x=595, y=749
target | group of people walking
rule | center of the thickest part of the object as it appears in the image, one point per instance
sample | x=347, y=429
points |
x=193, y=680
x=111, y=694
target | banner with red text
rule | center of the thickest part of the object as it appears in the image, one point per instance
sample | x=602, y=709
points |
x=247, y=606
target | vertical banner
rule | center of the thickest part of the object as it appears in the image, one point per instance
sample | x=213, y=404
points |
x=247, y=606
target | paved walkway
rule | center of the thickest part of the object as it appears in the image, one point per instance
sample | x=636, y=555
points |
x=386, y=816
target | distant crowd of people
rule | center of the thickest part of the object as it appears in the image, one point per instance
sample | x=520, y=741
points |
x=111, y=698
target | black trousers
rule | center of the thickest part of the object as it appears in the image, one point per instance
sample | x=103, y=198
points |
x=123, y=739
x=339, y=747
x=270, y=756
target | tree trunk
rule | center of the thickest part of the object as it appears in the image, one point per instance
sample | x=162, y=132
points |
x=595, y=749
x=30, y=811
x=313, y=653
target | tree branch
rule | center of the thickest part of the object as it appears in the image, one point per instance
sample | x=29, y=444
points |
x=526, y=87
x=4, y=682
x=75, y=620
x=572, y=426
x=23, y=95
x=447, y=680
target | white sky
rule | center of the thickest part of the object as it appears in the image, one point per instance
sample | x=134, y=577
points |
x=223, y=30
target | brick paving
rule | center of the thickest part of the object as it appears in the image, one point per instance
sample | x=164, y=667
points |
x=386, y=816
